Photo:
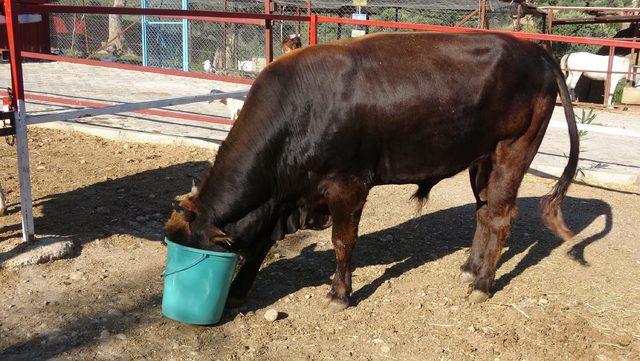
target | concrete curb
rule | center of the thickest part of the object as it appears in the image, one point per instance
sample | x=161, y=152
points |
x=587, y=176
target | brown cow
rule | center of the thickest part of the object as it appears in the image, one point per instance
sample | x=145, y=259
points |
x=325, y=124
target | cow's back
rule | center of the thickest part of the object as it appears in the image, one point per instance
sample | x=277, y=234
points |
x=396, y=105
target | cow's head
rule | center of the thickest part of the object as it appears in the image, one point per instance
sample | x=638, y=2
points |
x=189, y=227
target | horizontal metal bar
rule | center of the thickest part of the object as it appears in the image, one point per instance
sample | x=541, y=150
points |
x=218, y=19
x=66, y=9
x=594, y=71
x=96, y=104
x=146, y=69
x=164, y=22
x=453, y=29
x=597, y=20
x=128, y=107
x=587, y=8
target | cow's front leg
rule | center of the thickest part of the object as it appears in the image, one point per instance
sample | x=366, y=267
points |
x=245, y=278
x=345, y=201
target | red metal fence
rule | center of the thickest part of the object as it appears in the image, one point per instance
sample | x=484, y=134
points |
x=266, y=21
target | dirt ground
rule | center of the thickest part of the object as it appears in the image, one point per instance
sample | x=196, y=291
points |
x=552, y=300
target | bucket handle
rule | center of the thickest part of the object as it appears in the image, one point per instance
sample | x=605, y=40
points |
x=202, y=257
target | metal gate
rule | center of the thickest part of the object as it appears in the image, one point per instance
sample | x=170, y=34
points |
x=165, y=42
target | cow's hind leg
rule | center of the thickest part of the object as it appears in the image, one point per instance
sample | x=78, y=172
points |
x=509, y=163
x=345, y=200
x=479, y=176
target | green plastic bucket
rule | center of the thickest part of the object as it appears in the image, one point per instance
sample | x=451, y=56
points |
x=196, y=284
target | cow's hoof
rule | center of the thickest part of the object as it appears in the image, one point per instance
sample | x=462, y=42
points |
x=466, y=277
x=233, y=302
x=337, y=305
x=478, y=296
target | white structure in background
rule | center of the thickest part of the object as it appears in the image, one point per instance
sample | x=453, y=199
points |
x=255, y=65
x=594, y=67
x=208, y=68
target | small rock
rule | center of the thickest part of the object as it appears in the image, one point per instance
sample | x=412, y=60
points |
x=82, y=161
x=126, y=146
x=76, y=276
x=388, y=237
x=104, y=334
x=271, y=315
x=307, y=296
x=471, y=329
x=277, y=255
x=41, y=167
x=121, y=336
x=141, y=218
x=114, y=312
x=385, y=349
x=377, y=341
x=543, y=302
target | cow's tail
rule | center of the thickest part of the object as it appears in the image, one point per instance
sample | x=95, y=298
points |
x=550, y=205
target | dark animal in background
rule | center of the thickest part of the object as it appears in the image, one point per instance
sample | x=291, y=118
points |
x=324, y=125
x=292, y=42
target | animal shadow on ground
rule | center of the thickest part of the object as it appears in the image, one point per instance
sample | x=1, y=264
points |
x=136, y=205
x=425, y=239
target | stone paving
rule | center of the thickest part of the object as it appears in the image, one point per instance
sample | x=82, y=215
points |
x=604, y=158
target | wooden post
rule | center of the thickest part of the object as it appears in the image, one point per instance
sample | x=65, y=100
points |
x=224, y=40
x=24, y=177
x=268, y=39
x=308, y=7
x=518, y=25
x=483, y=15
x=549, y=28
x=607, y=82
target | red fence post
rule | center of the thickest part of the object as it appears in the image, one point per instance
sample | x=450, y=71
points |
x=24, y=177
x=607, y=82
x=313, y=29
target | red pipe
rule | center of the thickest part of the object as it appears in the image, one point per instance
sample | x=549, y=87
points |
x=313, y=30
x=13, y=41
x=66, y=9
x=453, y=29
x=154, y=112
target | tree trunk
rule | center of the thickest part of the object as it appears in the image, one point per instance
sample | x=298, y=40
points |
x=115, y=29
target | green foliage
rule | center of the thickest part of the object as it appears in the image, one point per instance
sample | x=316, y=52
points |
x=585, y=118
